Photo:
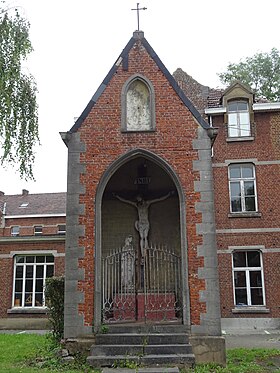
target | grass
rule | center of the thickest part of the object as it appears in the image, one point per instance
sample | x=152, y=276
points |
x=30, y=353
x=243, y=360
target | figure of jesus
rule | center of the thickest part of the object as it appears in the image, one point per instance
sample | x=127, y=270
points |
x=142, y=225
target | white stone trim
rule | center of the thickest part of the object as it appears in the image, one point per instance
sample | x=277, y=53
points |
x=31, y=252
x=250, y=160
x=257, y=247
x=266, y=106
x=33, y=216
x=248, y=230
x=216, y=110
x=256, y=107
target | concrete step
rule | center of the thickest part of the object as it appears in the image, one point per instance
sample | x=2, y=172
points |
x=106, y=350
x=141, y=339
x=186, y=360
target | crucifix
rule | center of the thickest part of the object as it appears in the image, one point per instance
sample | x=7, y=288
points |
x=138, y=14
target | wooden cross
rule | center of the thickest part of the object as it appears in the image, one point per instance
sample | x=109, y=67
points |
x=138, y=14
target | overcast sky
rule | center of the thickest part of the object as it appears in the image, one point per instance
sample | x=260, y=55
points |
x=77, y=42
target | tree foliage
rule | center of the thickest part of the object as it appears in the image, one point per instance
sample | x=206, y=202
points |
x=261, y=72
x=18, y=113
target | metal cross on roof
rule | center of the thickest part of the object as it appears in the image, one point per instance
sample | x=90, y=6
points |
x=138, y=14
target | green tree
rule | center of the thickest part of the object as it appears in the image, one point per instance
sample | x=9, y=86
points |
x=18, y=104
x=261, y=72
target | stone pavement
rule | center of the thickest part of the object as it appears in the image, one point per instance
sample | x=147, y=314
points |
x=258, y=338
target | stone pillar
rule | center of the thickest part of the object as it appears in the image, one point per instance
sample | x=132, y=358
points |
x=73, y=321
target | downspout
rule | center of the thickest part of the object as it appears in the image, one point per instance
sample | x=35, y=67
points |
x=2, y=220
x=213, y=135
x=212, y=132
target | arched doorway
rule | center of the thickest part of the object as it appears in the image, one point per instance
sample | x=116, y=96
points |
x=140, y=243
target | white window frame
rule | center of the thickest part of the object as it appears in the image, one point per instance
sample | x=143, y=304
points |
x=238, y=125
x=38, y=233
x=247, y=271
x=16, y=232
x=241, y=181
x=45, y=264
x=61, y=232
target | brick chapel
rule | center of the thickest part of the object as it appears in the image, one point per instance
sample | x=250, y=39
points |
x=141, y=238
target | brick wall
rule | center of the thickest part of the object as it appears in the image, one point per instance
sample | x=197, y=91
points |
x=104, y=143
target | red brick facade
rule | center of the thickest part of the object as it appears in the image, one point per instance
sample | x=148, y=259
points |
x=263, y=151
x=27, y=243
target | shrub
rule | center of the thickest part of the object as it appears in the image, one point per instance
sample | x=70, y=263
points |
x=54, y=293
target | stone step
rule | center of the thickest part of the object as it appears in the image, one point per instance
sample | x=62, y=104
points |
x=141, y=339
x=105, y=350
x=168, y=349
x=186, y=360
x=142, y=370
x=147, y=328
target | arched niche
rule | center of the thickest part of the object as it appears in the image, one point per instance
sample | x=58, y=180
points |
x=138, y=105
x=168, y=222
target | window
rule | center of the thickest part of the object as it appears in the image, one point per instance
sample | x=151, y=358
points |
x=38, y=230
x=248, y=278
x=61, y=229
x=15, y=230
x=30, y=274
x=238, y=119
x=242, y=186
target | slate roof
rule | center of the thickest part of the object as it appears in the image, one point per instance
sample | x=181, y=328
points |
x=123, y=59
x=214, y=98
x=37, y=204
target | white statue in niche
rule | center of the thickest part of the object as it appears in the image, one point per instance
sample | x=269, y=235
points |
x=127, y=264
x=142, y=225
x=138, y=110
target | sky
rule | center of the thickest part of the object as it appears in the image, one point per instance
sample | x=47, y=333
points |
x=77, y=42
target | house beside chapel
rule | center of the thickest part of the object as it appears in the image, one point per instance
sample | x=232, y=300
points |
x=32, y=242
x=246, y=174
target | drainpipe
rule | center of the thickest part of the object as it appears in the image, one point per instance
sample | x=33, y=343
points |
x=2, y=217
x=212, y=131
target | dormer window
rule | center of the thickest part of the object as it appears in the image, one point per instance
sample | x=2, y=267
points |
x=238, y=119
x=24, y=204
